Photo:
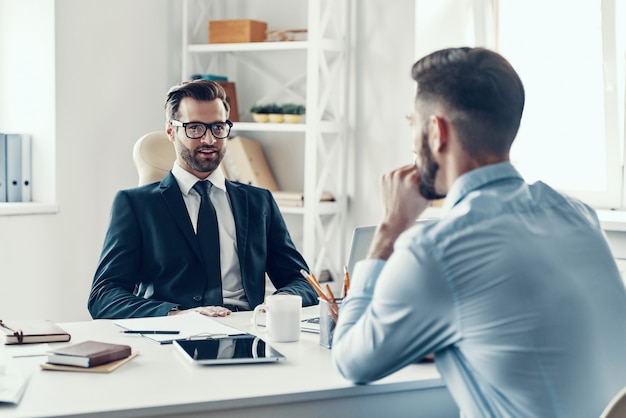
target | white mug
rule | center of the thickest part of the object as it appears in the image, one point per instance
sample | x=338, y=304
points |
x=283, y=313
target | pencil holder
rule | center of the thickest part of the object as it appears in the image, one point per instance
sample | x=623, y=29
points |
x=329, y=312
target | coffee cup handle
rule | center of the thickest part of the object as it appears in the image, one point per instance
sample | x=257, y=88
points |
x=258, y=309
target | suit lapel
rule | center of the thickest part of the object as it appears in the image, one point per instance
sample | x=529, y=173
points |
x=174, y=201
x=239, y=202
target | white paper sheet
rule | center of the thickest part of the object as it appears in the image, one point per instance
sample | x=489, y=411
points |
x=12, y=385
x=27, y=350
x=190, y=325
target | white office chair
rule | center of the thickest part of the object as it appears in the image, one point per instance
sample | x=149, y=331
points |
x=154, y=156
x=617, y=407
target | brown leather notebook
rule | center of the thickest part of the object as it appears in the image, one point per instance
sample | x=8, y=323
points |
x=89, y=354
x=103, y=368
x=31, y=331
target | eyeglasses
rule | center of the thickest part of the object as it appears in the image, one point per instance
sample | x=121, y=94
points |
x=196, y=130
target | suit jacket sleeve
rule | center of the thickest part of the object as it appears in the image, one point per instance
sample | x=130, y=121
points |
x=119, y=269
x=284, y=262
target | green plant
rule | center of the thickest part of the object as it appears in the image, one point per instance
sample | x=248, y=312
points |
x=274, y=108
x=293, y=109
x=266, y=108
x=260, y=108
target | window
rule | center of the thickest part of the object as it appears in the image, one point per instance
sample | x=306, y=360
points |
x=570, y=56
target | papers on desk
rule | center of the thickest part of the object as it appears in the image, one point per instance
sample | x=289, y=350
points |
x=27, y=350
x=189, y=325
x=12, y=385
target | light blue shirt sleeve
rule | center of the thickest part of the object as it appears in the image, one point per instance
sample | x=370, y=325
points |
x=411, y=314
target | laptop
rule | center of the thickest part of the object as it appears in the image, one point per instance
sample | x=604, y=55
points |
x=310, y=325
x=361, y=239
x=360, y=245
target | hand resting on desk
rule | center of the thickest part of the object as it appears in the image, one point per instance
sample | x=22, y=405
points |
x=204, y=310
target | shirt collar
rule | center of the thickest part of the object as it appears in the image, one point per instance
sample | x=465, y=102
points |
x=476, y=179
x=186, y=180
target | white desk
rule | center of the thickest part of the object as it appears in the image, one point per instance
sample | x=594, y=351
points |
x=159, y=382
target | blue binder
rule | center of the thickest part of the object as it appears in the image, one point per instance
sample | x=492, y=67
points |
x=26, y=168
x=18, y=167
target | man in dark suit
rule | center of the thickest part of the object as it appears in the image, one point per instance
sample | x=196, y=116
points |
x=154, y=263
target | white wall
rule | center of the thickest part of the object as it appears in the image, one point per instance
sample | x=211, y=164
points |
x=112, y=71
x=388, y=42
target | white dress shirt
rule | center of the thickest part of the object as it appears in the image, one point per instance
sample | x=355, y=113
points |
x=232, y=285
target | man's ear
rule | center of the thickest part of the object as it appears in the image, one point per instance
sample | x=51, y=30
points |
x=438, y=133
x=169, y=130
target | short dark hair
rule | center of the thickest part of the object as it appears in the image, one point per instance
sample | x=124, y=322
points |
x=196, y=89
x=482, y=92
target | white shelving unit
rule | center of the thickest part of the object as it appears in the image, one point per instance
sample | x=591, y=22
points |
x=313, y=72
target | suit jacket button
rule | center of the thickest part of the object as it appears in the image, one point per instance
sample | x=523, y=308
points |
x=197, y=298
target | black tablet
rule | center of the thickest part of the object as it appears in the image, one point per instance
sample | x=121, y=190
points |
x=237, y=349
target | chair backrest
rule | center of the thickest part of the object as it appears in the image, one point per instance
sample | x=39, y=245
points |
x=617, y=407
x=154, y=156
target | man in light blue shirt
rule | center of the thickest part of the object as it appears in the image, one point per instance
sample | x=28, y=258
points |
x=514, y=289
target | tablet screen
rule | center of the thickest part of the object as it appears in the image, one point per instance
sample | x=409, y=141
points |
x=229, y=350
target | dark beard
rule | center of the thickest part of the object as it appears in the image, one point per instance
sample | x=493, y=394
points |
x=428, y=172
x=199, y=164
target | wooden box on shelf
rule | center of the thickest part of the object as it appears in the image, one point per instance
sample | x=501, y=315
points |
x=236, y=31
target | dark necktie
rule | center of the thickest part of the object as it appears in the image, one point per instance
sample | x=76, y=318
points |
x=209, y=239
